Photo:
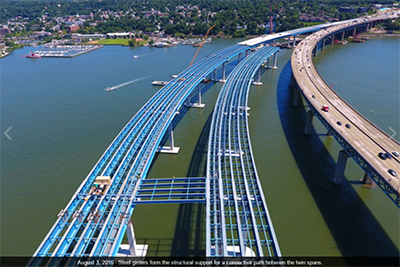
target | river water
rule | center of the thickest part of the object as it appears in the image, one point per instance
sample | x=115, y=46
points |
x=62, y=120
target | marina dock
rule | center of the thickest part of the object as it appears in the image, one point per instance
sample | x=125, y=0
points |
x=65, y=50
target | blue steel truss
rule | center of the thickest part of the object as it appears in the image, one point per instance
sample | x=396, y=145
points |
x=237, y=214
x=171, y=190
x=94, y=225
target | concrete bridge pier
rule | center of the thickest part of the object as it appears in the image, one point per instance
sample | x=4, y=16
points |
x=315, y=50
x=258, y=82
x=342, y=38
x=132, y=249
x=354, y=31
x=340, y=167
x=367, y=179
x=296, y=95
x=215, y=75
x=198, y=104
x=307, y=130
x=223, y=73
x=292, y=82
x=294, y=41
x=171, y=149
x=322, y=44
x=333, y=39
x=274, y=67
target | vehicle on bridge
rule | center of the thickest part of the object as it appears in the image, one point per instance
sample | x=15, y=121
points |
x=392, y=172
x=325, y=108
x=100, y=185
x=382, y=155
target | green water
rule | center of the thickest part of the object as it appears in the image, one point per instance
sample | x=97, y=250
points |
x=62, y=121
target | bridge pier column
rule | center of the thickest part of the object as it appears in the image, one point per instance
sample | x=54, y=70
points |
x=292, y=81
x=274, y=67
x=294, y=41
x=354, y=31
x=258, y=82
x=223, y=73
x=132, y=249
x=342, y=36
x=198, y=104
x=307, y=130
x=333, y=39
x=315, y=50
x=323, y=44
x=296, y=95
x=215, y=75
x=340, y=167
x=171, y=149
x=367, y=179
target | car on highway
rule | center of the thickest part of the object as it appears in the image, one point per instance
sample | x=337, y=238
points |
x=325, y=108
x=339, y=123
x=348, y=125
x=392, y=172
x=388, y=155
x=396, y=153
x=382, y=155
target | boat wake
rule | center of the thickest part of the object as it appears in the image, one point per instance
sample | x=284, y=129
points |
x=123, y=84
x=149, y=54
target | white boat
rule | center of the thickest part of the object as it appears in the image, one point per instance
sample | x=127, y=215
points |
x=159, y=83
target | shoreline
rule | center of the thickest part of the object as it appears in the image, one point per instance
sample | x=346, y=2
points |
x=379, y=34
x=3, y=56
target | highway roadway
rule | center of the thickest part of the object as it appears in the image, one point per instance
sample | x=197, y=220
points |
x=364, y=137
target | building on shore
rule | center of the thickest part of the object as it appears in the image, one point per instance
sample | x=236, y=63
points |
x=72, y=28
x=4, y=31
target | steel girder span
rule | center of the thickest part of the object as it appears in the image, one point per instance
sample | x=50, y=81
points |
x=94, y=224
x=238, y=222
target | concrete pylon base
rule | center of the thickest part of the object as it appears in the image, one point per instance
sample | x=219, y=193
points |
x=167, y=150
x=257, y=83
x=195, y=105
x=274, y=68
x=222, y=81
x=141, y=251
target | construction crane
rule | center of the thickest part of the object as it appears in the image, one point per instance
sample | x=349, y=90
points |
x=201, y=44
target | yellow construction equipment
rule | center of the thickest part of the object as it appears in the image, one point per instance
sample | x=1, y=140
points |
x=201, y=44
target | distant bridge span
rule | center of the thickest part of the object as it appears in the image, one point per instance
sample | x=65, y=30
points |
x=360, y=138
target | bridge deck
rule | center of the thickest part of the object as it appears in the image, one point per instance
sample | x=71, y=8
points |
x=237, y=215
x=94, y=225
x=364, y=140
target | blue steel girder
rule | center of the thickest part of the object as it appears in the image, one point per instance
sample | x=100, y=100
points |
x=116, y=151
x=144, y=167
x=232, y=195
x=171, y=190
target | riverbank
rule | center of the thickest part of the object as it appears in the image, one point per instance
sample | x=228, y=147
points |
x=4, y=55
x=379, y=34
